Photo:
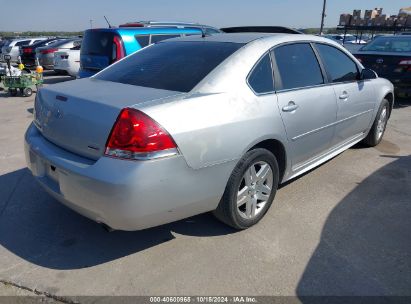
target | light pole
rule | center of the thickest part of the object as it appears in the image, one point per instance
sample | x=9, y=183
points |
x=322, y=17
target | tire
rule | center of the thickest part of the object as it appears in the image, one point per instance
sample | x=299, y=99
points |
x=377, y=130
x=27, y=92
x=249, y=190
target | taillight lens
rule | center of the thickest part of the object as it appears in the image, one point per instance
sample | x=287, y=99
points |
x=27, y=51
x=119, y=49
x=404, y=65
x=137, y=136
x=48, y=51
x=405, y=62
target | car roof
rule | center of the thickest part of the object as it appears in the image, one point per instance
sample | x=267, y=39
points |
x=245, y=38
x=242, y=38
x=148, y=30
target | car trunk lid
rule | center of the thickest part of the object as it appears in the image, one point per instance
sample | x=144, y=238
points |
x=79, y=115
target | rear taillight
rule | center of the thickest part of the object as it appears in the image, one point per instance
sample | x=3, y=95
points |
x=27, y=51
x=404, y=65
x=48, y=51
x=405, y=62
x=137, y=136
x=119, y=49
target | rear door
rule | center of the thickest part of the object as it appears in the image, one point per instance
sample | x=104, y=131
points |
x=306, y=103
x=355, y=98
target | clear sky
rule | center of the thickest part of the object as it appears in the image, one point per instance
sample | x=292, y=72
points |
x=74, y=15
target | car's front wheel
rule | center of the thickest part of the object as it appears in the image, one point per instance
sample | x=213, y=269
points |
x=376, y=133
x=250, y=189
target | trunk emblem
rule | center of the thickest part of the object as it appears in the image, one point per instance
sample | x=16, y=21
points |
x=379, y=60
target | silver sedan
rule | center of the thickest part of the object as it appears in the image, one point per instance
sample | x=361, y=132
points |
x=199, y=124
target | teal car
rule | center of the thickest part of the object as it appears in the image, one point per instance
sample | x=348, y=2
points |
x=102, y=47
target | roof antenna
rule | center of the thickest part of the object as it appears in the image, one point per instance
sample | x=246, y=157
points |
x=109, y=25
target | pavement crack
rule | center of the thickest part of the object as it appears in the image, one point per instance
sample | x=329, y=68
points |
x=38, y=292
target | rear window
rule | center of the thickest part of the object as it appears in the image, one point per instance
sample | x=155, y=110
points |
x=22, y=43
x=143, y=40
x=175, y=66
x=388, y=44
x=60, y=43
x=97, y=43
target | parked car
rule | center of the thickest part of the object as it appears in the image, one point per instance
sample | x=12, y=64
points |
x=208, y=30
x=102, y=47
x=390, y=57
x=45, y=54
x=28, y=53
x=68, y=61
x=195, y=124
x=349, y=39
x=12, y=47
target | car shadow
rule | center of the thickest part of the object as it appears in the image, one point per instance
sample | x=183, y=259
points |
x=365, y=245
x=37, y=228
x=402, y=102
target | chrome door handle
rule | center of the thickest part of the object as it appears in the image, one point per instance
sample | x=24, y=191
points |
x=344, y=95
x=290, y=107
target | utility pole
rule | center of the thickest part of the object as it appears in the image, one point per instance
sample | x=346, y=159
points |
x=322, y=17
x=91, y=23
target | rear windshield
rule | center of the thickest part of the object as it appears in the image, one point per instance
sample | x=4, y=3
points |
x=60, y=42
x=175, y=66
x=389, y=44
x=97, y=43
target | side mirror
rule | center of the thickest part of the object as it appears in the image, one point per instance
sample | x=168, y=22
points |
x=368, y=74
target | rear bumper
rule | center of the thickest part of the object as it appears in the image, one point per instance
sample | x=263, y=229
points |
x=125, y=195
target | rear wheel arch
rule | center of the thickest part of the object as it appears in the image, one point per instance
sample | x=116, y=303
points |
x=277, y=148
x=390, y=98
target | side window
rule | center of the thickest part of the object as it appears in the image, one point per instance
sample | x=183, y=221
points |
x=211, y=31
x=158, y=38
x=298, y=66
x=143, y=40
x=339, y=66
x=261, y=77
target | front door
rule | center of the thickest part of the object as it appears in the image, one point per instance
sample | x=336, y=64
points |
x=355, y=98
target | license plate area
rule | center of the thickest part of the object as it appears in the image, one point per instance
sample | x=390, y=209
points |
x=52, y=172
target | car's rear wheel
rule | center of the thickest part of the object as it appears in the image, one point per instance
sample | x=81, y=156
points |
x=250, y=190
x=377, y=130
